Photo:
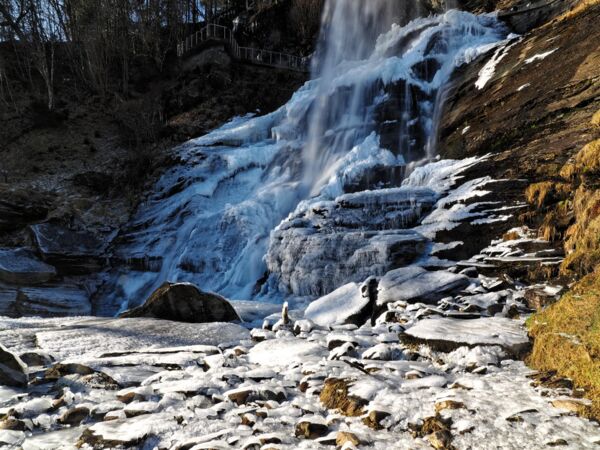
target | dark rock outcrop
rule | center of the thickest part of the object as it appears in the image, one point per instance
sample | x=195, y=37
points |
x=13, y=371
x=73, y=252
x=183, y=302
x=21, y=267
x=53, y=301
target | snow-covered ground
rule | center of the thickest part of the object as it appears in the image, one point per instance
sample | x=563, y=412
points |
x=144, y=383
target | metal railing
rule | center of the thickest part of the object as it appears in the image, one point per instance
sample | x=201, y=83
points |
x=213, y=32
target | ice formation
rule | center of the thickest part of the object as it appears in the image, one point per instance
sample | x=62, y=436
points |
x=245, y=196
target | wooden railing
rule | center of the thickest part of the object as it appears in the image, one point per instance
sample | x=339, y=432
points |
x=213, y=32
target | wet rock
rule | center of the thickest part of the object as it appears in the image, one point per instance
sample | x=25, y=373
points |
x=311, y=429
x=13, y=371
x=183, y=302
x=96, y=182
x=59, y=301
x=74, y=416
x=334, y=395
x=21, y=267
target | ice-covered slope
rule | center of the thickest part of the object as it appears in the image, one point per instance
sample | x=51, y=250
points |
x=363, y=122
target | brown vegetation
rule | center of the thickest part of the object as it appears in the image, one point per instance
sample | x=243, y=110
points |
x=567, y=339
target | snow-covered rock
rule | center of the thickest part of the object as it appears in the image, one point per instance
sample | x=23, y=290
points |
x=339, y=307
x=448, y=334
x=415, y=284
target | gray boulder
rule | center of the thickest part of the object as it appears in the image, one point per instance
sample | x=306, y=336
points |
x=184, y=302
x=13, y=371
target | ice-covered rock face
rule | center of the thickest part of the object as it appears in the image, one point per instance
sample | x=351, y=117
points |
x=256, y=196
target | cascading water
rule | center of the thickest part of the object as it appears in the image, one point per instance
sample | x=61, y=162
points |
x=324, y=172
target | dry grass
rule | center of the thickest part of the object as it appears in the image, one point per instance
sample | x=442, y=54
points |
x=596, y=119
x=567, y=339
x=580, y=7
x=582, y=242
x=540, y=194
x=589, y=157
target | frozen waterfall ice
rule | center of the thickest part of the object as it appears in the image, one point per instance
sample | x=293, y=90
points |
x=325, y=170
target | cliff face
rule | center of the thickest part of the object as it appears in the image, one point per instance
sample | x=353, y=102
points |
x=529, y=104
x=533, y=106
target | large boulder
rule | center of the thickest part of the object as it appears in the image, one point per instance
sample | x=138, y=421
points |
x=13, y=371
x=184, y=302
x=21, y=267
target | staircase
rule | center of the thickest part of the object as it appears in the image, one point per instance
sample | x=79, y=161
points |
x=218, y=33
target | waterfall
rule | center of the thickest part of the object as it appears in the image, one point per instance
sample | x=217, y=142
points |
x=222, y=218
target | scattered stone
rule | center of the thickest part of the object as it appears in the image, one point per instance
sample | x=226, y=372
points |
x=13, y=371
x=74, y=416
x=335, y=396
x=184, y=302
x=440, y=440
x=344, y=437
x=311, y=430
x=13, y=424
x=448, y=404
x=374, y=419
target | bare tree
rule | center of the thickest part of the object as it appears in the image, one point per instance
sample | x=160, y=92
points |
x=305, y=17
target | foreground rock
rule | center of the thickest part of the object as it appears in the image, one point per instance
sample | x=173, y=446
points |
x=446, y=334
x=183, y=302
x=13, y=371
x=347, y=304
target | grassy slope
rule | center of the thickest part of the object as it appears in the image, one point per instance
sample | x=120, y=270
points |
x=567, y=339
